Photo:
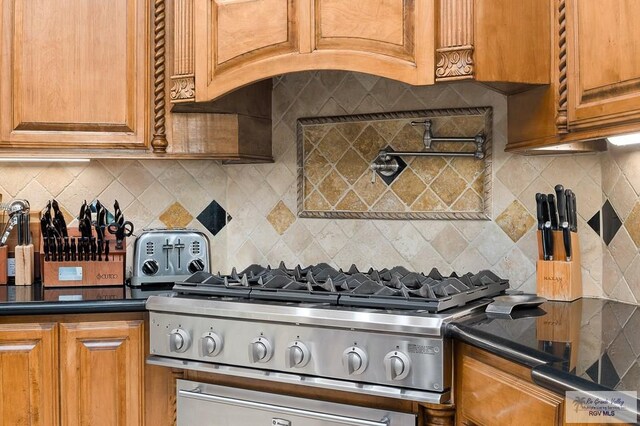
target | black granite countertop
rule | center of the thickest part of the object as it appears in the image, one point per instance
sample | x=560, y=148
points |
x=585, y=345
x=37, y=300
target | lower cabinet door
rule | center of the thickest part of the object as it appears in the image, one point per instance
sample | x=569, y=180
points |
x=101, y=373
x=28, y=375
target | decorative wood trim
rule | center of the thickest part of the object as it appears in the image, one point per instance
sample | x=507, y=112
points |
x=159, y=142
x=454, y=52
x=487, y=112
x=561, y=119
x=455, y=63
x=183, y=88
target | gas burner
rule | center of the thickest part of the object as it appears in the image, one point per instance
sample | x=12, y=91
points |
x=395, y=288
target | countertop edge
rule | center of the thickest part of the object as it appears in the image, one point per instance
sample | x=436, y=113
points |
x=72, y=307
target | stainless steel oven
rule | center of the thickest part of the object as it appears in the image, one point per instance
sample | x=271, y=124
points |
x=201, y=404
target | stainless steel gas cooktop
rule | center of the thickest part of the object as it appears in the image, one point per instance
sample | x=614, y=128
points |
x=377, y=332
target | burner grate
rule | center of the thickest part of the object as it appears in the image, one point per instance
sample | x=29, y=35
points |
x=395, y=288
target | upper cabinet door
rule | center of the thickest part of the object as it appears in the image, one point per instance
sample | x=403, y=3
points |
x=28, y=379
x=603, y=58
x=74, y=73
x=101, y=373
x=237, y=42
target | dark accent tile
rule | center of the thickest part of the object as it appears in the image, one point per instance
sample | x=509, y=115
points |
x=611, y=223
x=608, y=375
x=592, y=371
x=401, y=166
x=594, y=222
x=214, y=217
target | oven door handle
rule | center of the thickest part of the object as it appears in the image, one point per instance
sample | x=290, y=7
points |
x=196, y=394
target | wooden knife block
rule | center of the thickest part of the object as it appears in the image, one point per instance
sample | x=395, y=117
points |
x=559, y=279
x=4, y=250
x=94, y=273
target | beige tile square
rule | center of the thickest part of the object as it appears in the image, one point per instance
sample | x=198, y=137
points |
x=55, y=179
x=408, y=186
x=351, y=166
x=333, y=145
x=469, y=168
x=281, y=218
x=316, y=202
x=316, y=167
x=136, y=178
x=351, y=130
x=156, y=198
x=428, y=167
x=369, y=143
x=408, y=139
x=351, y=203
x=515, y=221
x=332, y=187
x=428, y=202
x=468, y=202
x=449, y=186
x=369, y=191
x=633, y=224
x=389, y=202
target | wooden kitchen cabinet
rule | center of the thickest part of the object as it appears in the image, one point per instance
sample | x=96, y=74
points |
x=28, y=380
x=101, y=379
x=239, y=42
x=74, y=74
x=78, y=370
x=603, y=58
x=490, y=390
x=595, y=81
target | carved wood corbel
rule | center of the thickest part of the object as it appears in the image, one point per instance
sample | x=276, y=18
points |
x=183, y=78
x=454, y=52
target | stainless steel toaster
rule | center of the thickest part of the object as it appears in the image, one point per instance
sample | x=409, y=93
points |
x=169, y=255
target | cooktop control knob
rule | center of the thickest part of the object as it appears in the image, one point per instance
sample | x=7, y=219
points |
x=196, y=265
x=297, y=355
x=397, y=365
x=210, y=344
x=179, y=340
x=260, y=350
x=150, y=267
x=354, y=360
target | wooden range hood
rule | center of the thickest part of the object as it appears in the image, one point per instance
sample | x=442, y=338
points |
x=220, y=46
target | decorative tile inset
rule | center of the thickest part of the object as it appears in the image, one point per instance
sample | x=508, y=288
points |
x=633, y=224
x=515, y=221
x=423, y=187
x=281, y=218
x=594, y=222
x=214, y=217
x=176, y=216
x=611, y=223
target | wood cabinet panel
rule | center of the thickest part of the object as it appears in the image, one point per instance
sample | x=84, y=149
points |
x=28, y=379
x=385, y=27
x=603, y=58
x=252, y=28
x=74, y=73
x=491, y=391
x=101, y=373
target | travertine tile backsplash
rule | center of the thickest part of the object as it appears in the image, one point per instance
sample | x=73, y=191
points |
x=260, y=200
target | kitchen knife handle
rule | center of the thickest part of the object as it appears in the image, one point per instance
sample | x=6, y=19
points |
x=540, y=210
x=553, y=210
x=562, y=208
x=566, y=237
